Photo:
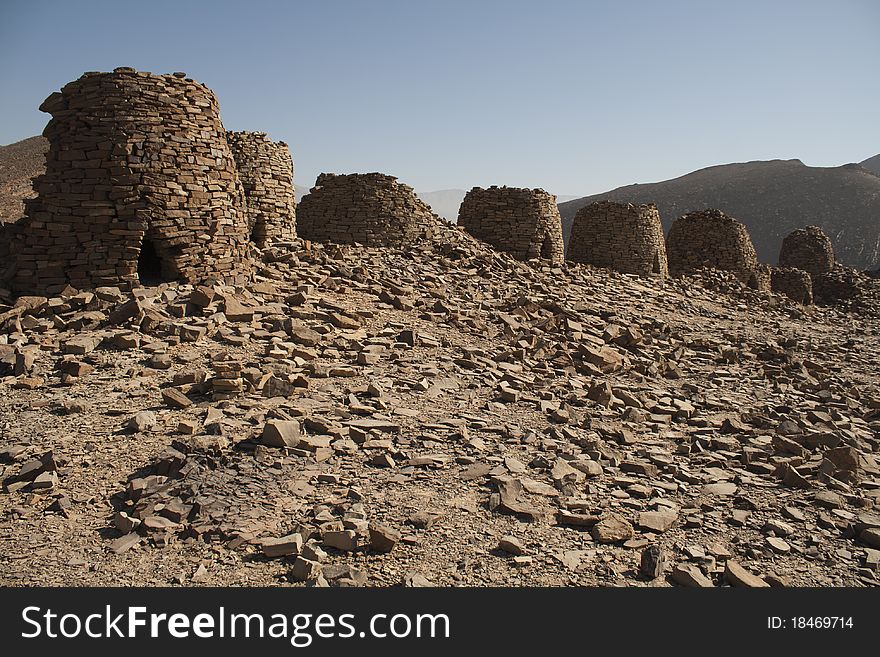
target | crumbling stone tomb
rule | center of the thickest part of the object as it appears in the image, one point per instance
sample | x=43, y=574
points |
x=711, y=239
x=372, y=209
x=794, y=283
x=522, y=222
x=763, y=279
x=621, y=236
x=266, y=173
x=140, y=187
x=808, y=249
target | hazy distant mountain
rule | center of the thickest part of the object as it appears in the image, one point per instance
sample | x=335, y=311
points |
x=444, y=202
x=771, y=198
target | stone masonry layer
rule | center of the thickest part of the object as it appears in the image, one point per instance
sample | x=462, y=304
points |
x=808, y=249
x=266, y=173
x=522, y=222
x=621, y=236
x=709, y=238
x=372, y=209
x=135, y=161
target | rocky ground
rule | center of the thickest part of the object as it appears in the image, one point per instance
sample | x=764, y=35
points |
x=441, y=415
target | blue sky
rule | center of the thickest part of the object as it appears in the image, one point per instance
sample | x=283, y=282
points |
x=575, y=97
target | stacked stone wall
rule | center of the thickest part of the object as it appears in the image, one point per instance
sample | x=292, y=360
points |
x=8, y=234
x=808, y=249
x=522, y=222
x=265, y=169
x=794, y=283
x=621, y=236
x=709, y=238
x=763, y=279
x=840, y=284
x=136, y=162
x=372, y=209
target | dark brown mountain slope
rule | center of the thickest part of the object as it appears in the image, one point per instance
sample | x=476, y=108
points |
x=19, y=164
x=772, y=198
x=872, y=164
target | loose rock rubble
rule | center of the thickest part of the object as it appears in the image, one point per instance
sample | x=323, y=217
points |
x=439, y=414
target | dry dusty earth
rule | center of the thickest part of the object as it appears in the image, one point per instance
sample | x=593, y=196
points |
x=442, y=415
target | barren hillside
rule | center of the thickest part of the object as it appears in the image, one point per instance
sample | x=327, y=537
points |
x=19, y=164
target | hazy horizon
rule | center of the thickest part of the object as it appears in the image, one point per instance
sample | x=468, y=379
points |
x=575, y=97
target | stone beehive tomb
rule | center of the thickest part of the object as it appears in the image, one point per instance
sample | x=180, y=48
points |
x=808, y=249
x=621, y=236
x=522, y=222
x=711, y=239
x=266, y=173
x=794, y=283
x=373, y=209
x=140, y=187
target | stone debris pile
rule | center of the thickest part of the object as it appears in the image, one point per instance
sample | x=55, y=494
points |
x=522, y=222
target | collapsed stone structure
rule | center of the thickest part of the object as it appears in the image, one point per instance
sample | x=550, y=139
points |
x=709, y=238
x=373, y=209
x=522, y=222
x=265, y=169
x=621, y=236
x=840, y=284
x=808, y=249
x=763, y=279
x=140, y=187
x=794, y=283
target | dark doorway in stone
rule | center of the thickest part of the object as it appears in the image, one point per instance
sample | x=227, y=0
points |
x=258, y=233
x=150, y=269
x=547, y=249
x=753, y=282
x=656, y=267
